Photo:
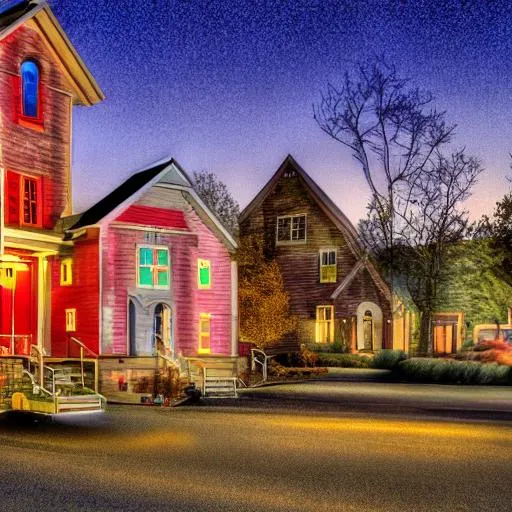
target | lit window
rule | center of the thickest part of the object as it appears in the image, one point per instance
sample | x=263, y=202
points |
x=204, y=274
x=66, y=271
x=70, y=320
x=328, y=266
x=30, y=89
x=153, y=267
x=30, y=214
x=204, y=333
x=324, y=324
x=291, y=229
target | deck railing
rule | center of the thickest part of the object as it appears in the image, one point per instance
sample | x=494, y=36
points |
x=15, y=344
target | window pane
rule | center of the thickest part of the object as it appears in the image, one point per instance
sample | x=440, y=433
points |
x=204, y=276
x=163, y=278
x=145, y=276
x=30, y=88
x=299, y=228
x=283, y=229
x=163, y=257
x=332, y=258
x=205, y=326
x=205, y=342
x=145, y=256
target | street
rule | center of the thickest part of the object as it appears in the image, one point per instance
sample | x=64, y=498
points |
x=244, y=459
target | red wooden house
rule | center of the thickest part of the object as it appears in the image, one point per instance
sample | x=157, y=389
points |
x=144, y=274
x=41, y=78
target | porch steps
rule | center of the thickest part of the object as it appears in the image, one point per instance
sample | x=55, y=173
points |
x=220, y=387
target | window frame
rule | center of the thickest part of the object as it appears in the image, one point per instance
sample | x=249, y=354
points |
x=66, y=271
x=209, y=266
x=330, y=323
x=290, y=240
x=154, y=268
x=24, y=178
x=24, y=119
x=333, y=266
x=70, y=319
x=201, y=349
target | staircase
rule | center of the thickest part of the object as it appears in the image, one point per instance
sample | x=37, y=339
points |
x=215, y=376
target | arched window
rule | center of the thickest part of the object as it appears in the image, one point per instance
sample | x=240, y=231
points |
x=30, y=89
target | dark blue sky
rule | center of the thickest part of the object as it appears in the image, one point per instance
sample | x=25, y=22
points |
x=228, y=86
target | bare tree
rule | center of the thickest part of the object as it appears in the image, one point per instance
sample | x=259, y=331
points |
x=217, y=197
x=429, y=221
x=392, y=130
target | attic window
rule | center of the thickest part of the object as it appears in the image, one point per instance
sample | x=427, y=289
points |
x=291, y=229
x=290, y=174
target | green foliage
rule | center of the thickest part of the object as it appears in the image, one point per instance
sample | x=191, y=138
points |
x=343, y=360
x=338, y=347
x=475, y=284
x=447, y=371
x=388, y=359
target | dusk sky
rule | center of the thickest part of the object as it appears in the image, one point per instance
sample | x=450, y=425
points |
x=228, y=86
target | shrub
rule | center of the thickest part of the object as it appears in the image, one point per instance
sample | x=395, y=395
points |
x=453, y=372
x=343, y=360
x=388, y=359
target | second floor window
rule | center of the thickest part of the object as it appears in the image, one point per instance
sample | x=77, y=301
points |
x=153, y=267
x=328, y=266
x=291, y=229
x=30, y=89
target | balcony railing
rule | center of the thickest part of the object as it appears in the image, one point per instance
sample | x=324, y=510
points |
x=15, y=344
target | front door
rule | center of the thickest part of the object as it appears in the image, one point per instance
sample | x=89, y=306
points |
x=162, y=330
x=18, y=305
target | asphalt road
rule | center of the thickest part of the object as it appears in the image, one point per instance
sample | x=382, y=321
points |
x=237, y=459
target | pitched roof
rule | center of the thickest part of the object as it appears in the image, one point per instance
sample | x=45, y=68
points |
x=111, y=201
x=332, y=211
x=167, y=173
x=85, y=89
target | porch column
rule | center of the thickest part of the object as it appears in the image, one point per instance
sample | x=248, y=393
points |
x=234, y=308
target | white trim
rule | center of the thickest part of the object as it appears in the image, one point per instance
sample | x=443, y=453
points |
x=41, y=294
x=120, y=225
x=234, y=308
x=292, y=242
x=36, y=236
x=377, y=325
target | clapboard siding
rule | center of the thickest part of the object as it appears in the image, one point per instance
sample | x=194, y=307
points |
x=299, y=262
x=27, y=150
x=119, y=254
x=82, y=295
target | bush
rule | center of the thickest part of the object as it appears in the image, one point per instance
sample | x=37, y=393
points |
x=449, y=371
x=343, y=360
x=388, y=359
x=337, y=347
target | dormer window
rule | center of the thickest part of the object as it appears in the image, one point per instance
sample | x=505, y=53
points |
x=30, y=89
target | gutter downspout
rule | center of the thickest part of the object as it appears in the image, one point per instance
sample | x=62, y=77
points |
x=234, y=308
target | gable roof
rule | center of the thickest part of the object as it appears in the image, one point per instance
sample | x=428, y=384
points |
x=37, y=12
x=326, y=204
x=166, y=172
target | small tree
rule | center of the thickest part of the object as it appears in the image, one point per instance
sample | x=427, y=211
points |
x=264, y=304
x=217, y=197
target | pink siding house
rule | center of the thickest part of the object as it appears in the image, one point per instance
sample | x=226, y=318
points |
x=167, y=279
